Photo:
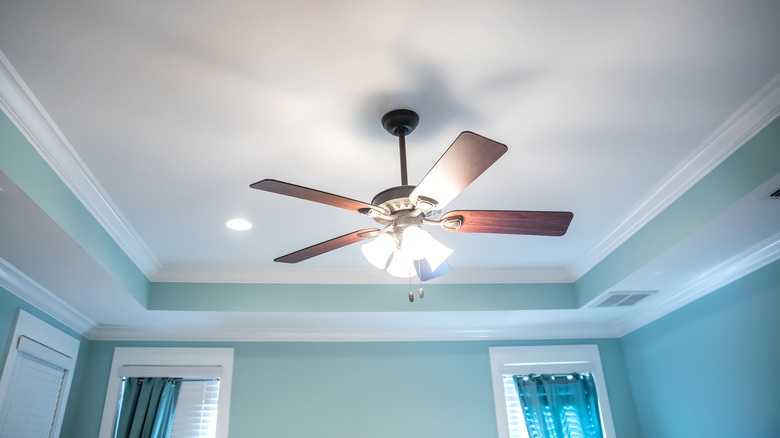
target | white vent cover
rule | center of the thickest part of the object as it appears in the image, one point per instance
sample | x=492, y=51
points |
x=623, y=298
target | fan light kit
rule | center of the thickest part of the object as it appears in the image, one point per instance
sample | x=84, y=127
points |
x=401, y=246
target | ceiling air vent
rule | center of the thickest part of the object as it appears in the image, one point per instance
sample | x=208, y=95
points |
x=776, y=194
x=624, y=298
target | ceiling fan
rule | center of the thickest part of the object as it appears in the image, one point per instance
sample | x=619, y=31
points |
x=400, y=245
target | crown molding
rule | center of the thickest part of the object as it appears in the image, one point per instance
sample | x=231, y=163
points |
x=752, y=259
x=38, y=296
x=365, y=275
x=409, y=334
x=28, y=115
x=746, y=122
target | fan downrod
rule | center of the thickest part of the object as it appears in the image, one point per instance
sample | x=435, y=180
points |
x=400, y=121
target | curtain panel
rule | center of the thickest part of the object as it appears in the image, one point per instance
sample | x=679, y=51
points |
x=560, y=405
x=147, y=407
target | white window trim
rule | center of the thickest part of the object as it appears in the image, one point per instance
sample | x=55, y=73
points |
x=33, y=328
x=547, y=360
x=194, y=361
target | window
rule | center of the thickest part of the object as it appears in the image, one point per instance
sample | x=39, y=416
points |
x=563, y=360
x=196, y=410
x=36, y=378
x=203, y=402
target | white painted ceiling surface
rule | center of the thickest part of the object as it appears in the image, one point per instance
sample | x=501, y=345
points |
x=174, y=108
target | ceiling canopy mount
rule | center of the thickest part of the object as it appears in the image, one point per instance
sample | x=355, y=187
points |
x=400, y=121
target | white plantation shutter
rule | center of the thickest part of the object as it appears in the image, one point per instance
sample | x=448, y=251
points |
x=34, y=392
x=196, y=410
x=514, y=411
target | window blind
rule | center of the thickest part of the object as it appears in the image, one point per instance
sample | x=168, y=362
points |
x=196, y=410
x=514, y=411
x=33, y=396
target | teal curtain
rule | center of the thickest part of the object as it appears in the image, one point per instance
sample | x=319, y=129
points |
x=560, y=405
x=147, y=407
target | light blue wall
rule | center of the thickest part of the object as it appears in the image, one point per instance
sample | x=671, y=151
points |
x=346, y=390
x=28, y=170
x=269, y=297
x=710, y=369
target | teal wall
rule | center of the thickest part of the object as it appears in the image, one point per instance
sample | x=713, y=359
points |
x=709, y=369
x=269, y=297
x=346, y=390
x=24, y=165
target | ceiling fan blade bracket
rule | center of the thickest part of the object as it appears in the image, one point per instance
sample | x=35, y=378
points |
x=425, y=203
x=452, y=223
x=374, y=233
x=375, y=213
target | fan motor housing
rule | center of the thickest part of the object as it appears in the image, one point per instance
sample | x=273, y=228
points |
x=394, y=199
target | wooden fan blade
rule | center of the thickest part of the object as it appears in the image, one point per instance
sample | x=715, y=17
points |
x=287, y=189
x=323, y=247
x=468, y=156
x=538, y=223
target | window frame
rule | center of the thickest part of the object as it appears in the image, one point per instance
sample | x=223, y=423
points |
x=551, y=359
x=191, y=361
x=28, y=326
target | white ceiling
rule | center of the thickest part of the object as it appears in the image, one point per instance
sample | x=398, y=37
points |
x=609, y=110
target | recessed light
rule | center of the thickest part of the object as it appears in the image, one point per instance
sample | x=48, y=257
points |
x=239, y=224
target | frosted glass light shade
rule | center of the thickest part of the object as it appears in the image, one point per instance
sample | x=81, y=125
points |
x=436, y=253
x=425, y=272
x=401, y=266
x=414, y=243
x=378, y=250
x=418, y=244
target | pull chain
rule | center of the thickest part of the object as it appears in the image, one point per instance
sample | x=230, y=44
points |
x=420, y=291
x=411, y=293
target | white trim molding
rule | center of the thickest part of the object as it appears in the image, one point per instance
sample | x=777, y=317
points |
x=746, y=122
x=24, y=287
x=744, y=263
x=21, y=106
x=205, y=359
x=410, y=333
